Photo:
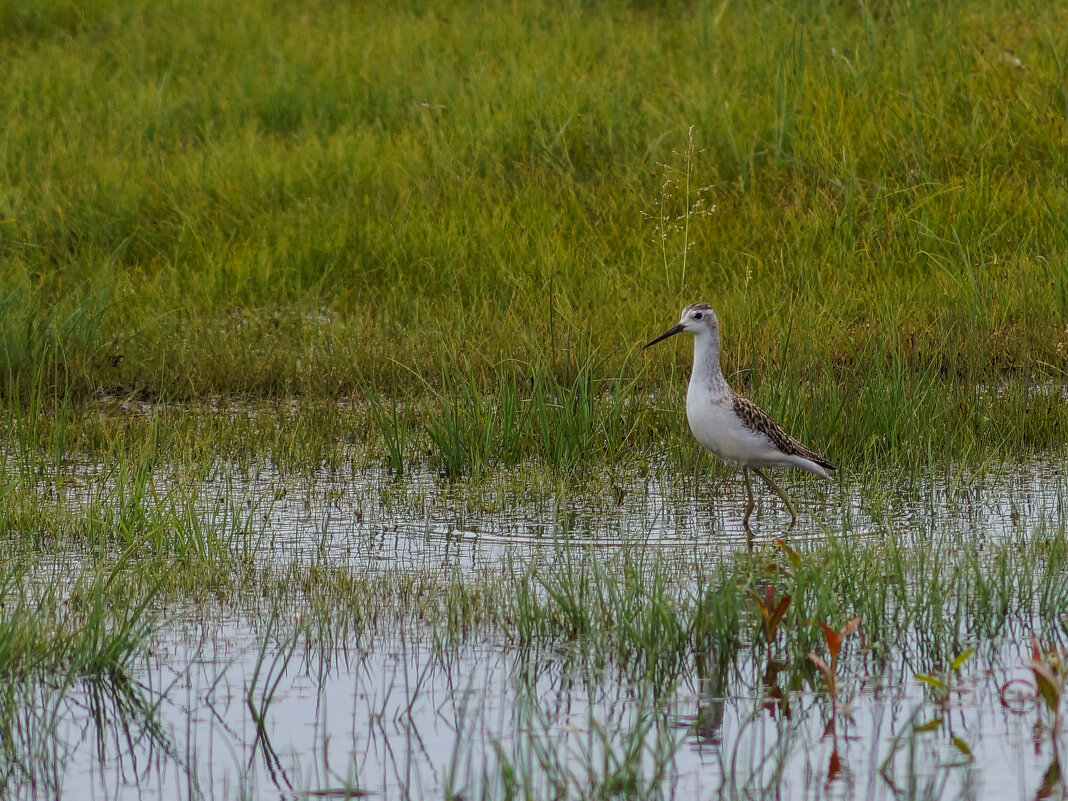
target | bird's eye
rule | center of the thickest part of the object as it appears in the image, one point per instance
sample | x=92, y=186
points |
x=697, y=315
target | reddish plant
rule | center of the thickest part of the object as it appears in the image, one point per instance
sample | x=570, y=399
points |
x=771, y=612
x=834, y=645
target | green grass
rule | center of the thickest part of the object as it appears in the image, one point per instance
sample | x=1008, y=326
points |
x=63, y=635
x=80, y=630
x=424, y=205
x=652, y=615
x=434, y=236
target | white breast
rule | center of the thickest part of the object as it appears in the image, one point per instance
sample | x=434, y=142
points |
x=715, y=425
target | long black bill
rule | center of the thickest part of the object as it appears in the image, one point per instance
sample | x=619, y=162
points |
x=669, y=333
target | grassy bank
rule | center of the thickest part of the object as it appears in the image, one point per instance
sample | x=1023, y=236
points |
x=337, y=202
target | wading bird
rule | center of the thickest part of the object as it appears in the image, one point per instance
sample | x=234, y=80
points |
x=734, y=428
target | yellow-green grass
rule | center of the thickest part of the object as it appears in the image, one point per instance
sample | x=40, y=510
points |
x=339, y=201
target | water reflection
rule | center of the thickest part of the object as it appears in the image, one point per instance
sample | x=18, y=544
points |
x=368, y=521
x=272, y=716
x=230, y=707
x=109, y=725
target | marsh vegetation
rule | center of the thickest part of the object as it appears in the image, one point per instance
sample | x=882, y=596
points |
x=331, y=465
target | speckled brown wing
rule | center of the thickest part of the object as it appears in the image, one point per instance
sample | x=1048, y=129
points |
x=756, y=419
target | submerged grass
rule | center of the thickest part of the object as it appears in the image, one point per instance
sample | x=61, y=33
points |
x=155, y=526
x=86, y=628
x=653, y=615
x=154, y=535
x=75, y=634
x=187, y=539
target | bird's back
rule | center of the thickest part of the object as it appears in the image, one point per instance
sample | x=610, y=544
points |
x=755, y=418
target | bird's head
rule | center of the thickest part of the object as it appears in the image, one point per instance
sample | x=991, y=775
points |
x=697, y=318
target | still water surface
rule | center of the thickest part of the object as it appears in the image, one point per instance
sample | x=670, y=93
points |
x=228, y=706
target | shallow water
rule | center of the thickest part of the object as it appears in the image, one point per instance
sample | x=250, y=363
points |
x=424, y=523
x=367, y=520
x=405, y=721
x=405, y=718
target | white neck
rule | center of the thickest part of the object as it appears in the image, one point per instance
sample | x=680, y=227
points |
x=706, y=370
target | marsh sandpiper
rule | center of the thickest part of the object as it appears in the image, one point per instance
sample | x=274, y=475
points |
x=732, y=427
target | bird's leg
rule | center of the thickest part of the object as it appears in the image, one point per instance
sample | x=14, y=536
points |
x=750, y=503
x=780, y=493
